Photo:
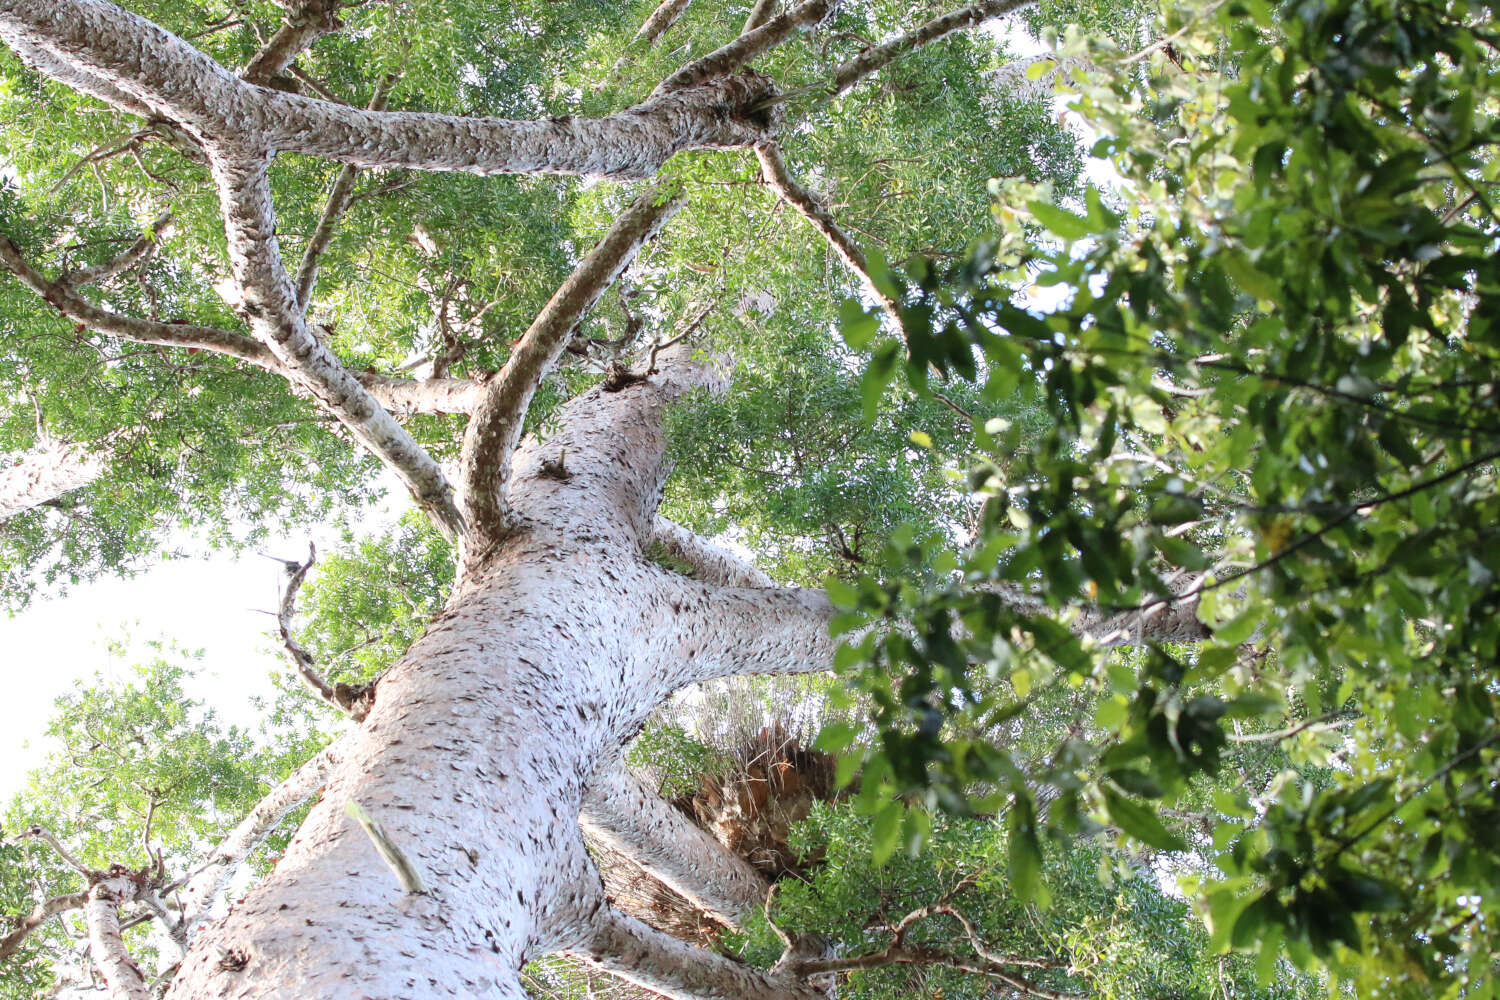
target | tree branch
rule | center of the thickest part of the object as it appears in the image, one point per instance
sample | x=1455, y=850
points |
x=709, y=562
x=748, y=46
x=106, y=946
x=774, y=170
x=48, y=474
x=340, y=197
x=132, y=255
x=1166, y=620
x=311, y=21
x=626, y=948
x=271, y=303
x=39, y=915
x=46, y=836
x=849, y=73
x=495, y=428
x=728, y=631
x=621, y=812
x=353, y=700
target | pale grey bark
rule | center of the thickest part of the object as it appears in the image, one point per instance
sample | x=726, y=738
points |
x=663, y=17
x=622, y=813
x=46, y=475
x=271, y=303
x=872, y=60
x=203, y=886
x=748, y=46
x=495, y=428
x=710, y=563
x=629, y=949
x=303, y=26
x=39, y=915
x=106, y=948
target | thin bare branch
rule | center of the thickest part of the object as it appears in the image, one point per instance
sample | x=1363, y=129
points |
x=122, y=262
x=778, y=176
x=340, y=197
x=353, y=700
x=39, y=915
x=47, y=837
x=495, y=428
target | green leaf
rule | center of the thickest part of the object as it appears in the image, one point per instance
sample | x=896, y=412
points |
x=1062, y=222
x=1140, y=822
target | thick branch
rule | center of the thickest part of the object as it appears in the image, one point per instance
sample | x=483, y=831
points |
x=709, y=562
x=204, y=884
x=625, y=815
x=849, y=73
x=102, y=914
x=340, y=197
x=39, y=915
x=739, y=53
x=1173, y=619
x=762, y=12
x=728, y=631
x=271, y=303
x=774, y=170
x=629, y=144
x=663, y=17
x=311, y=21
x=627, y=948
x=44, y=476
x=495, y=429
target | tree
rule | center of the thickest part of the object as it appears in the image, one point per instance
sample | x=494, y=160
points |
x=444, y=850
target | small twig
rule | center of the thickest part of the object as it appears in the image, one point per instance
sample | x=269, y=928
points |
x=351, y=699
x=401, y=866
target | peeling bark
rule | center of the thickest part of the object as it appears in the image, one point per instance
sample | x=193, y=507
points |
x=102, y=915
x=626, y=816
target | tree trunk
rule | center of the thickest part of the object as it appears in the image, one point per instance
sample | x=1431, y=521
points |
x=46, y=475
x=475, y=756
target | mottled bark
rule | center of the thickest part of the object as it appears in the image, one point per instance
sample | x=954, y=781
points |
x=495, y=428
x=663, y=17
x=102, y=915
x=874, y=59
x=271, y=303
x=748, y=46
x=204, y=885
x=779, y=177
x=305, y=25
x=46, y=475
x=620, y=812
x=627, y=948
x=40, y=914
x=709, y=562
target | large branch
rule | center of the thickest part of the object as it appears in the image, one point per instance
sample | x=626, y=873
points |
x=201, y=887
x=849, y=73
x=621, y=812
x=278, y=320
x=728, y=631
x=1173, y=619
x=309, y=22
x=628, y=144
x=495, y=428
x=41, y=477
x=629, y=949
x=40, y=914
x=748, y=46
x=774, y=170
x=106, y=946
x=709, y=562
